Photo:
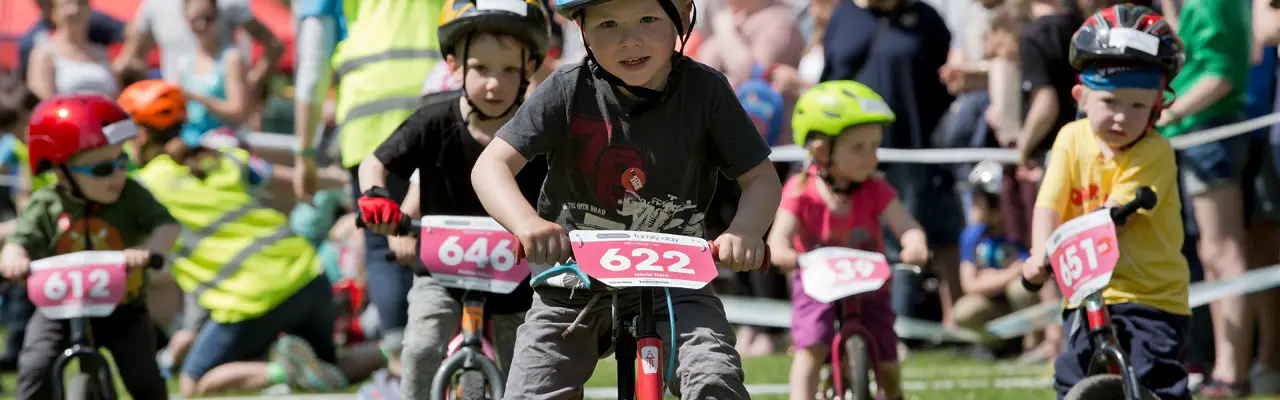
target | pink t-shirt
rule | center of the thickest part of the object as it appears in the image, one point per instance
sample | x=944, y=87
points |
x=857, y=227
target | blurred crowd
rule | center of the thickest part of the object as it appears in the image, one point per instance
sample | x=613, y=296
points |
x=958, y=73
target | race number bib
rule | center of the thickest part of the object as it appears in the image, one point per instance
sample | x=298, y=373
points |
x=834, y=273
x=1083, y=252
x=640, y=259
x=474, y=253
x=83, y=284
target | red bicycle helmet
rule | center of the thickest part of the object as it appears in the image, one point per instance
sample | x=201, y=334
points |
x=1127, y=34
x=63, y=126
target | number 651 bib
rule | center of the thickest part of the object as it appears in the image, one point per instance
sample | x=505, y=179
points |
x=641, y=259
x=1083, y=252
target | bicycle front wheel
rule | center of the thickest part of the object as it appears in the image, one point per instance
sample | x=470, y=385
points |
x=857, y=363
x=1104, y=387
x=471, y=386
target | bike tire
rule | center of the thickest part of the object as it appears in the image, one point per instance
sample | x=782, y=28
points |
x=82, y=386
x=857, y=361
x=472, y=385
x=1103, y=387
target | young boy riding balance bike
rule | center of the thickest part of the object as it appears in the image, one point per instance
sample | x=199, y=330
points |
x=1126, y=56
x=635, y=136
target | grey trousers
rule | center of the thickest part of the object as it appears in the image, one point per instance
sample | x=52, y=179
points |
x=548, y=366
x=433, y=322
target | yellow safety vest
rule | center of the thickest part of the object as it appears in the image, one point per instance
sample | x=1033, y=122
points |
x=390, y=48
x=236, y=256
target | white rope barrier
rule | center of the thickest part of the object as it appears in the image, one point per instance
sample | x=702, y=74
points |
x=793, y=153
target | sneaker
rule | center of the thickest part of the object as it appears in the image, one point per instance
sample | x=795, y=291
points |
x=303, y=369
x=382, y=386
x=1265, y=380
x=1215, y=389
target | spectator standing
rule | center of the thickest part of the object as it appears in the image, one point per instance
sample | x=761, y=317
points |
x=1266, y=32
x=1210, y=93
x=163, y=23
x=103, y=31
x=67, y=62
x=896, y=47
x=213, y=79
x=383, y=51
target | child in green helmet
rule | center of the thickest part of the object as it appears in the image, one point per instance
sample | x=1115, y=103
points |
x=841, y=123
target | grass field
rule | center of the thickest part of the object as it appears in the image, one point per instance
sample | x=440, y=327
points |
x=927, y=375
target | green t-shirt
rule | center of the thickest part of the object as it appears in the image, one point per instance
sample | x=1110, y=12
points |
x=53, y=224
x=1217, y=37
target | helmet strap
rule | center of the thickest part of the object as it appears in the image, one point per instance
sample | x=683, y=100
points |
x=824, y=172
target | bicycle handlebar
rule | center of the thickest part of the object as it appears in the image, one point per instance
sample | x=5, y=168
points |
x=1144, y=199
x=155, y=261
x=411, y=227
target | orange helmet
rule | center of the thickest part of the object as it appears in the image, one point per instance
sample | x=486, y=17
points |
x=155, y=104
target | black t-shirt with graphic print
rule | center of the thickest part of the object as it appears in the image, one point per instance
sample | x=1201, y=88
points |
x=617, y=166
x=435, y=141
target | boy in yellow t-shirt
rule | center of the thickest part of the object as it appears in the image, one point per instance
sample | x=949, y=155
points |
x=1126, y=56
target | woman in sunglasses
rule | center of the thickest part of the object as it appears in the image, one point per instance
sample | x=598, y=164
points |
x=214, y=81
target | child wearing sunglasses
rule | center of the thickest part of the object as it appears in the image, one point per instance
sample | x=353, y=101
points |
x=93, y=206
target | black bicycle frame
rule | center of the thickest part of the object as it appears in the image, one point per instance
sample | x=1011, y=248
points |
x=91, y=361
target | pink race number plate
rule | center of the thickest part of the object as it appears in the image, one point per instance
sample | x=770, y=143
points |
x=1084, y=252
x=833, y=273
x=81, y=284
x=640, y=259
x=474, y=253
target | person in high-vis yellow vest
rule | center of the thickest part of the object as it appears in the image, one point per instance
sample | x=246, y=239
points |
x=247, y=276
x=381, y=51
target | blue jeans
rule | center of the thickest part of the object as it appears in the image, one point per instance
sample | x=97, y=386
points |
x=308, y=314
x=388, y=282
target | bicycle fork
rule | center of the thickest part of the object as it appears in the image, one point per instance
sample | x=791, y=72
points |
x=1108, y=357
x=91, y=362
x=638, y=339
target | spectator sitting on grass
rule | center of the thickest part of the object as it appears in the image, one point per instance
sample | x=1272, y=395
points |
x=990, y=263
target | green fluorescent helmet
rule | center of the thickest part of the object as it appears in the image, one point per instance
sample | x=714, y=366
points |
x=832, y=106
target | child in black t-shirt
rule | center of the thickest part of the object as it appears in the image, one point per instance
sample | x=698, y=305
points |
x=634, y=136
x=493, y=47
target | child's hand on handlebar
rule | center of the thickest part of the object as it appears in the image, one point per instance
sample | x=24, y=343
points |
x=1034, y=269
x=405, y=248
x=16, y=268
x=914, y=255
x=136, y=258
x=544, y=242
x=739, y=252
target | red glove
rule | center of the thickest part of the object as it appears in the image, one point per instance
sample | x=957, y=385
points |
x=376, y=207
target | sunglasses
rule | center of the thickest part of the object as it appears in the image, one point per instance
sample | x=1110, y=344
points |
x=102, y=169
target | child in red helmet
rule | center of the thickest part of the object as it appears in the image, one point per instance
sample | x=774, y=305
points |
x=80, y=138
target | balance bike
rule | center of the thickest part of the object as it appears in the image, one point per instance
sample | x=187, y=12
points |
x=649, y=262
x=1083, y=254
x=78, y=287
x=842, y=275
x=478, y=255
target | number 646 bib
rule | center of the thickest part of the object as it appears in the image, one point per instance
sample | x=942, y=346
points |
x=474, y=253
x=1083, y=252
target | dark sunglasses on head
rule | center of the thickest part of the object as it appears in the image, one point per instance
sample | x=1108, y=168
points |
x=102, y=169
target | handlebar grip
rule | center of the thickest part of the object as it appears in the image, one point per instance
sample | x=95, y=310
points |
x=715, y=254
x=404, y=227
x=1144, y=199
x=155, y=261
x=1035, y=287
